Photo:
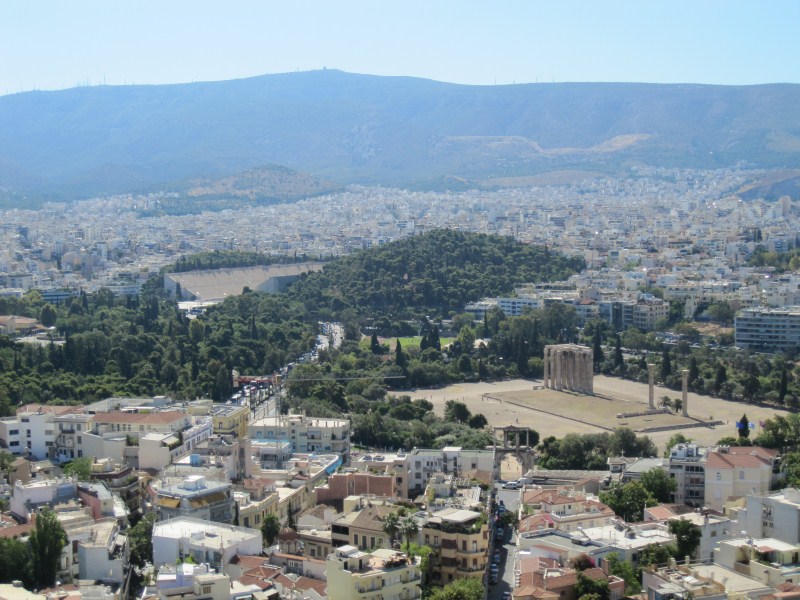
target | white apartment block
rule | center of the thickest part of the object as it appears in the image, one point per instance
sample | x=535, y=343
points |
x=306, y=434
x=772, y=515
x=768, y=329
x=205, y=541
x=687, y=466
x=29, y=433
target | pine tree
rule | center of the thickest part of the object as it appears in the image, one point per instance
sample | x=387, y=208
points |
x=399, y=357
x=784, y=384
x=619, y=359
x=597, y=349
x=720, y=378
x=374, y=345
x=666, y=365
x=743, y=427
x=694, y=372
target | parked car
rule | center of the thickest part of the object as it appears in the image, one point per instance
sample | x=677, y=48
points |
x=511, y=485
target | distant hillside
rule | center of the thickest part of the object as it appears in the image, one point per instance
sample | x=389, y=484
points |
x=262, y=185
x=390, y=130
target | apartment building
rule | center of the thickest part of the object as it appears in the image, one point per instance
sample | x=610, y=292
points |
x=306, y=434
x=562, y=509
x=738, y=471
x=197, y=498
x=773, y=515
x=31, y=432
x=205, y=541
x=230, y=419
x=382, y=575
x=768, y=329
x=460, y=542
x=687, y=466
x=362, y=528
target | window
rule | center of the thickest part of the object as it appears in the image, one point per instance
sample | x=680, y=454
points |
x=719, y=476
x=80, y=453
x=741, y=474
x=80, y=440
x=206, y=589
x=13, y=432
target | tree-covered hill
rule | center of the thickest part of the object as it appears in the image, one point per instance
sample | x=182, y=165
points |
x=434, y=273
x=144, y=345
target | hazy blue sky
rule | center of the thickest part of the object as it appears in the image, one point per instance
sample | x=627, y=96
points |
x=63, y=43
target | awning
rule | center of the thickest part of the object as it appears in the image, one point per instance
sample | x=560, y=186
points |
x=168, y=502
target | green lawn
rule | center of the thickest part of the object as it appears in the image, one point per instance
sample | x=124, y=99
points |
x=412, y=342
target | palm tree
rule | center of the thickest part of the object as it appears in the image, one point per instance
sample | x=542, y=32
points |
x=391, y=526
x=409, y=528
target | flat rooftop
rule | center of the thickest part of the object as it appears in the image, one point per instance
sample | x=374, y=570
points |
x=208, y=534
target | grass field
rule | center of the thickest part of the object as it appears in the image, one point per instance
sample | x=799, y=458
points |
x=411, y=342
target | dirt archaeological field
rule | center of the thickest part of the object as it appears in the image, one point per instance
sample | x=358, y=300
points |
x=550, y=412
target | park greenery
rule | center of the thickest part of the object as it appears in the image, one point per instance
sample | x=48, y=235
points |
x=721, y=372
x=592, y=450
x=104, y=346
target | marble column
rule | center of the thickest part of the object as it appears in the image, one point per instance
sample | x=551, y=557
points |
x=685, y=393
x=651, y=377
x=546, y=366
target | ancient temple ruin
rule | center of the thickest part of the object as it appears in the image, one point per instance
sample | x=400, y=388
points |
x=569, y=367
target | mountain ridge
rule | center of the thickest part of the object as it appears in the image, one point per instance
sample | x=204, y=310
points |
x=353, y=128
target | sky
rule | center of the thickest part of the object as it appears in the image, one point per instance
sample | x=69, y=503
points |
x=58, y=44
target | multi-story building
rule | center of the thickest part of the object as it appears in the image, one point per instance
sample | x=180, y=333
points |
x=230, y=419
x=460, y=542
x=382, y=575
x=257, y=499
x=738, y=471
x=306, y=434
x=562, y=509
x=768, y=329
x=26, y=498
x=104, y=555
x=31, y=432
x=197, y=498
x=363, y=528
x=648, y=311
x=205, y=541
x=136, y=425
x=687, y=466
x=775, y=515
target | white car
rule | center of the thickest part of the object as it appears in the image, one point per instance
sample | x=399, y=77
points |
x=511, y=485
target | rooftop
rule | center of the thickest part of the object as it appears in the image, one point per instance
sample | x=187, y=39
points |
x=207, y=534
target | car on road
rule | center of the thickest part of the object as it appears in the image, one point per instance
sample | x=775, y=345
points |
x=506, y=595
x=511, y=485
x=499, y=534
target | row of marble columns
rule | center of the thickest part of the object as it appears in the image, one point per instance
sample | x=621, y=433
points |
x=570, y=367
